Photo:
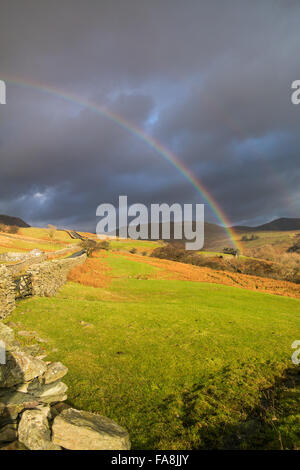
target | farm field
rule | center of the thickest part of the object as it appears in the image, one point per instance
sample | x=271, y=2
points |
x=181, y=364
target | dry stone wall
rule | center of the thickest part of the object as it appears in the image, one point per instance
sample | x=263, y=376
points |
x=33, y=414
x=7, y=292
x=19, y=256
x=17, y=268
x=31, y=255
x=43, y=279
x=24, y=260
x=48, y=277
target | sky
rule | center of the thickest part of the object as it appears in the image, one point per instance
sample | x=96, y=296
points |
x=210, y=80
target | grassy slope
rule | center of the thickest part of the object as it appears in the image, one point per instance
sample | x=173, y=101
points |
x=180, y=364
x=140, y=246
x=280, y=240
x=29, y=238
x=43, y=233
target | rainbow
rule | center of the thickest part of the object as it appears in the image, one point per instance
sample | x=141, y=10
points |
x=141, y=135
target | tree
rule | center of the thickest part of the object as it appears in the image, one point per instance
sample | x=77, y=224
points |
x=89, y=246
x=51, y=230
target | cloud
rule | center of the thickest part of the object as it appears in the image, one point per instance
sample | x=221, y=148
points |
x=209, y=80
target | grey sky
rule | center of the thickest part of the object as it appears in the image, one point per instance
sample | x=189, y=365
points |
x=210, y=80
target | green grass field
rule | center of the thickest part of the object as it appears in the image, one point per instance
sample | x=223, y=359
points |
x=180, y=364
x=140, y=245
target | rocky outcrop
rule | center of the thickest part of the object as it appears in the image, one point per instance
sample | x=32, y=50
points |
x=32, y=412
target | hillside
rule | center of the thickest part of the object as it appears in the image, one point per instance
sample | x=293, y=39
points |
x=202, y=345
x=181, y=364
x=16, y=221
x=282, y=224
x=215, y=236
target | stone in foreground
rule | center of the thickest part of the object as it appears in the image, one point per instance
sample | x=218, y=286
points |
x=81, y=430
x=15, y=445
x=8, y=432
x=12, y=403
x=47, y=391
x=6, y=333
x=34, y=431
x=20, y=368
x=54, y=372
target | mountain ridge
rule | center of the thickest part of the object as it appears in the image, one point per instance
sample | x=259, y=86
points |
x=10, y=220
x=281, y=224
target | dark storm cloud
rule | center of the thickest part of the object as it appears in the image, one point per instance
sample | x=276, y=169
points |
x=209, y=79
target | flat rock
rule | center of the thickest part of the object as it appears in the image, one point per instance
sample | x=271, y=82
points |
x=29, y=334
x=50, y=399
x=43, y=391
x=54, y=372
x=19, y=368
x=81, y=430
x=34, y=431
x=86, y=324
x=12, y=403
x=42, y=356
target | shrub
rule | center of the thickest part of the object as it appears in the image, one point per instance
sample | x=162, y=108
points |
x=231, y=251
x=174, y=252
x=295, y=248
x=169, y=251
x=104, y=245
x=12, y=229
x=284, y=267
x=249, y=238
x=89, y=246
x=9, y=228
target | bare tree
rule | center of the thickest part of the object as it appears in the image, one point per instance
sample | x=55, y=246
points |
x=51, y=230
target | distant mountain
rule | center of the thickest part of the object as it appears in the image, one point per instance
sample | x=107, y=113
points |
x=282, y=224
x=8, y=220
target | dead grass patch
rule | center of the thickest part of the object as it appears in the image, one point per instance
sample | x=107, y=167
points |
x=94, y=272
x=188, y=272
